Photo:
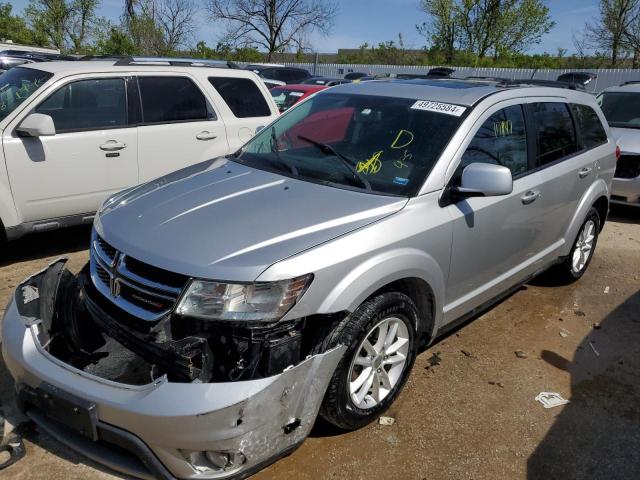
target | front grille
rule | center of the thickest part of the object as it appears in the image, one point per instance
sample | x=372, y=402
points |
x=628, y=166
x=141, y=290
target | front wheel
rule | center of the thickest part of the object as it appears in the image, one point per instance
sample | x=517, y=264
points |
x=381, y=344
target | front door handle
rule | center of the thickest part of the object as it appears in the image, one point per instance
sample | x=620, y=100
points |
x=584, y=172
x=206, y=136
x=530, y=197
x=112, y=146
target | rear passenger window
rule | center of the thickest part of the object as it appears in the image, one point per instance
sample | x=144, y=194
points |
x=242, y=95
x=87, y=105
x=591, y=128
x=171, y=99
x=556, y=137
x=501, y=140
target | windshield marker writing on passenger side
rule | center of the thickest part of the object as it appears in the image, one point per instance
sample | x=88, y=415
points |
x=446, y=108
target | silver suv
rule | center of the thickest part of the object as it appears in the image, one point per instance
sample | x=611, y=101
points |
x=227, y=304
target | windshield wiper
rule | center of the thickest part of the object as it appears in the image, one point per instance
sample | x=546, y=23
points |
x=346, y=161
x=274, y=148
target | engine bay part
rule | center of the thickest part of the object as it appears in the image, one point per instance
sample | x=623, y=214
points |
x=80, y=327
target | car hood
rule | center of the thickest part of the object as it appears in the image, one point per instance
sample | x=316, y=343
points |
x=628, y=139
x=226, y=221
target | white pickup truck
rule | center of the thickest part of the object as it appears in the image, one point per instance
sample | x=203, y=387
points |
x=73, y=133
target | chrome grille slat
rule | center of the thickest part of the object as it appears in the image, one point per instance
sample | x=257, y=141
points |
x=145, y=298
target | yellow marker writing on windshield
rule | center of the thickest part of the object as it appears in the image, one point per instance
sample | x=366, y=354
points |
x=404, y=139
x=406, y=156
x=371, y=166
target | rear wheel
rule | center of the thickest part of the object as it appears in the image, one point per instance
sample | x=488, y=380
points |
x=381, y=342
x=574, y=265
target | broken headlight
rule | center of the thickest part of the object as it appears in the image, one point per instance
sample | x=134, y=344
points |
x=240, y=302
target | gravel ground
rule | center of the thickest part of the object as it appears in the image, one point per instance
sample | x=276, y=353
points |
x=473, y=416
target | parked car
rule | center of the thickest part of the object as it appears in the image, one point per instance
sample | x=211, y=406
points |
x=288, y=75
x=272, y=83
x=355, y=75
x=326, y=81
x=75, y=132
x=621, y=107
x=288, y=95
x=304, y=272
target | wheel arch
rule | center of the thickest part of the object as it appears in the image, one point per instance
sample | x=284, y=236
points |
x=597, y=196
x=408, y=271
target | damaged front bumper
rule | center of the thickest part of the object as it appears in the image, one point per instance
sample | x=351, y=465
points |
x=161, y=429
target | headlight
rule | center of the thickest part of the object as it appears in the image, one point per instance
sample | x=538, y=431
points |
x=239, y=302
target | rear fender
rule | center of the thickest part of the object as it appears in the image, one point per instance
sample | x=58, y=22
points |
x=598, y=189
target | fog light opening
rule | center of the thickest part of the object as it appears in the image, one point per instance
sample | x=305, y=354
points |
x=217, y=461
x=226, y=460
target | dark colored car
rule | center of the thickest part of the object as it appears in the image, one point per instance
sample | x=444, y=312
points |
x=288, y=75
x=355, y=75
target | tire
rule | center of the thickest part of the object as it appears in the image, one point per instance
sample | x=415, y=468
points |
x=341, y=406
x=575, y=264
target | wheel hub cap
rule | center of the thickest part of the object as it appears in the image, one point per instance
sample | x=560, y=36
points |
x=379, y=363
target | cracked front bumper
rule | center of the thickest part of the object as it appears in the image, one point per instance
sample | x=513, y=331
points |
x=165, y=425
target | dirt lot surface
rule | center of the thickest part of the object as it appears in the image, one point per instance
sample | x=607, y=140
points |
x=471, y=415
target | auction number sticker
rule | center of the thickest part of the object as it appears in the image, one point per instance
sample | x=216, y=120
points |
x=447, y=108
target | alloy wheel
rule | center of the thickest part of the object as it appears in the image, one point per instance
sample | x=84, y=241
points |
x=584, y=247
x=379, y=363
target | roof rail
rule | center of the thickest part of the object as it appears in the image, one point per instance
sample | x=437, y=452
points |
x=170, y=61
x=543, y=83
x=630, y=82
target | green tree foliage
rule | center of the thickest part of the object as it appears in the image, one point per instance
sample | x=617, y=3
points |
x=615, y=31
x=484, y=27
x=65, y=24
x=13, y=27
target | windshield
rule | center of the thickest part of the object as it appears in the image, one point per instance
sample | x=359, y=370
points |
x=16, y=85
x=621, y=109
x=378, y=144
x=285, y=98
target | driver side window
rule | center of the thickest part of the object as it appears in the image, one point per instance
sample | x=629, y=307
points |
x=501, y=140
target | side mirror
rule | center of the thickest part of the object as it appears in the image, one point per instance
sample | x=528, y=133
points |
x=485, y=180
x=37, y=125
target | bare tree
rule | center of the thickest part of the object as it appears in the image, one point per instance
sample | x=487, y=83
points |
x=274, y=25
x=159, y=27
x=609, y=32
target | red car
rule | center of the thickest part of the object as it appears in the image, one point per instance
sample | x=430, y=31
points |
x=287, y=96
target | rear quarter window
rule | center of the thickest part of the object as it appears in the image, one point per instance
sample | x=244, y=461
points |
x=242, y=96
x=591, y=129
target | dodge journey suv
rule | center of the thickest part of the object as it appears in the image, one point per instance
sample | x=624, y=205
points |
x=227, y=305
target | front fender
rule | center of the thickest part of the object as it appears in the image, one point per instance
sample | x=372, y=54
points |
x=598, y=189
x=382, y=269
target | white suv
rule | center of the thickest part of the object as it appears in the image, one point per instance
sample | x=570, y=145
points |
x=75, y=132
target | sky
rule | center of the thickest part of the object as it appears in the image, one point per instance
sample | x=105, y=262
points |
x=375, y=21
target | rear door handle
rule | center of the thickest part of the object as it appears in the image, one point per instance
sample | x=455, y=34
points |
x=206, y=136
x=112, y=146
x=584, y=172
x=530, y=197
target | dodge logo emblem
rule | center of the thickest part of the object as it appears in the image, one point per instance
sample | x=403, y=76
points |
x=114, y=287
